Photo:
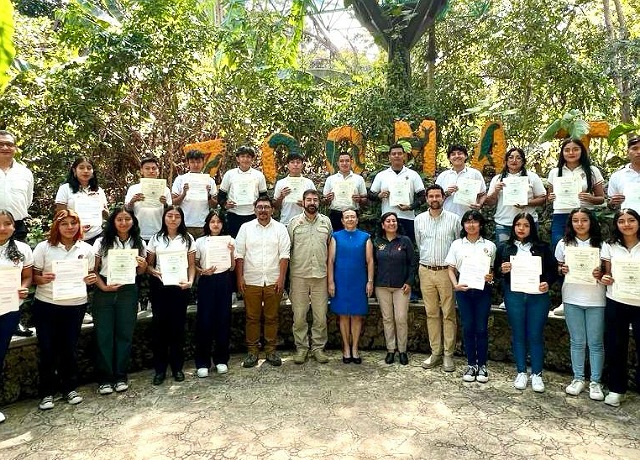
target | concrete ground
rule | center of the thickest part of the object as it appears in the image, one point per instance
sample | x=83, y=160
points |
x=326, y=411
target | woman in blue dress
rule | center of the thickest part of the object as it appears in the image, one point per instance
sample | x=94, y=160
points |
x=350, y=278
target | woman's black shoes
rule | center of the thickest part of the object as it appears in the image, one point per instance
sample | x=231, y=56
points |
x=159, y=378
x=404, y=359
x=390, y=357
x=357, y=360
x=346, y=359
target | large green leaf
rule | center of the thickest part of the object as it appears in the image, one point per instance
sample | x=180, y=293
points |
x=7, y=51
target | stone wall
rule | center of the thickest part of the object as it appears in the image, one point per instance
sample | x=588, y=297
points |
x=21, y=373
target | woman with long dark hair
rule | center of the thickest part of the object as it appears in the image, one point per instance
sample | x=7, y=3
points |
x=115, y=305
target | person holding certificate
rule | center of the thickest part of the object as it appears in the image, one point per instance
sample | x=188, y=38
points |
x=573, y=163
x=526, y=311
x=171, y=257
x=621, y=256
x=470, y=261
x=624, y=184
x=16, y=269
x=195, y=192
x=512, y=191
x=287, y=194
x=81, y=193
x=464, y=187
x=62, y=268
x=343, y=190
x=396, y=267
x=120, y=256
x=215, y=262
x=578, y=255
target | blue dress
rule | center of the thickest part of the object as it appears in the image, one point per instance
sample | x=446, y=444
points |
x=350, y=273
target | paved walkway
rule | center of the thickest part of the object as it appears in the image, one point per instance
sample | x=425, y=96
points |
x=314, y=411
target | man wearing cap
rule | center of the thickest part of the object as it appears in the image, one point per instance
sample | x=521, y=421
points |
x=343, y=190
x=288, y=191
x=624, y=184
x=194, y=205
x=240, y=188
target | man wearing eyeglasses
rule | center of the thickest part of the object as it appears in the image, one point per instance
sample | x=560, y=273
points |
x=262, y=258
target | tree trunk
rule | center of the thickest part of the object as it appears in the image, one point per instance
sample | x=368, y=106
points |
x=620, y=80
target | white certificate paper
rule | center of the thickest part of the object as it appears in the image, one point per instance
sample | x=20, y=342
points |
x=10, y=282
x=218, y=254
x=296, y=185
x=631, y=194
x=153, y=190
x=69, y=282
x=122, y=266
x=173, y=267
x=243, y=191
x=89, y=209
x=581, y=263
x=343, y=192
x=473, y=270
x=467, y=193
x=515, y=191
x=197, y=186
x=626, y=278
x=399, y=192
x=525, y=274
x=566, y=190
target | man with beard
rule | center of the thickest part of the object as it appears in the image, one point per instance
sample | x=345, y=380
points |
x=262, y=257
x=310, y=234
x=435, y=231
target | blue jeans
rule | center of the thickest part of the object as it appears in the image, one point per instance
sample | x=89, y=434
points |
x=558, y=226
x=474, y=306
x=586, y=326
x=527, y=314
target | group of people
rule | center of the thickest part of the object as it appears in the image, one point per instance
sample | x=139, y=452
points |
x=227, y=239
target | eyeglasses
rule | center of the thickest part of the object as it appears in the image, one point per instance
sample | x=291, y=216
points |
x=263, y=208
x=7, y=144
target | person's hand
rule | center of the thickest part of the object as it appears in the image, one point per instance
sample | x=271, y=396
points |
x=586, y=196
x=23, y=292
x=208, y=271
x=241, y=284
x=499, y=186
x=285, y=191
x=110, y=287
x=406, y=289
x=185, y=285
x=185, y=189
x=331, y=288
x=231, y=246
x=607, y=280
x=404, y=207
x=229, y=204
x=505, y=267
x=488, y=278
x=452, y=189
x=90, y=279
x=137, y=197
x=86, y=228
x=564, y=269
x=616, y=199
x=544, y=287
x=142, y=262
x=163, y=199
x=460, y=287
x=357, y=198
x=551, y=197
x=475, y=206
x=329, y=197
x=279, y=285
x=47, y=277
x=383, y=194
x=597, y=273
x=369, y=288
x=155, y=272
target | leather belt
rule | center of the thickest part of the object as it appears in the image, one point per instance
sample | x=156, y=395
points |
x=435, y=267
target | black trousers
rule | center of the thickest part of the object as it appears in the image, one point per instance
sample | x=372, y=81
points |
x=213, y=319
x=618, y=316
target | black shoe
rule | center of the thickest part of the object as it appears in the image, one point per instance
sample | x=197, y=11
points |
x=22, y=331
x=390, y=357
x=346, y=359
x=404, y=359
x=357, y=360
x=178, y=376
x=158, y=379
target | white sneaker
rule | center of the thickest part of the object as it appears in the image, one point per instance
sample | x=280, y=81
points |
x=88, y=319
x=537, y=384
x=470, y=374
x=595, y=391
x=202, y=372
x=46, y=403
x=2, y=417
x=520, y=382
x=222, y=368
x=613, y=399
x=575, y=387
x=121, y=386
x=559, y=310
x=74, y=398
x=105, y=389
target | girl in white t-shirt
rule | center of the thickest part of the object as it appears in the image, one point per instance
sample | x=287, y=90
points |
x=583, y=304
x=12, y=254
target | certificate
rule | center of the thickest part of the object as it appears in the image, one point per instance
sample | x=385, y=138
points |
x=626, y=278
x=153, y=190
x=631, y=197
x=467, y=193
x=296, y=185
x=581, y=263
x=10, y=282
x=122, y=265
x=218, y=254
x=243, y=191
x=473, y=270
x=525, y=274
x=173, y=267
x=69, y=281
x=197, y=186
x=399, y=192
x=343, y=192
x=515, y=191
x=566, y=190
x=89, y=209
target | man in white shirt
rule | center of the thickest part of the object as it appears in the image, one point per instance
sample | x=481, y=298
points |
x=339, y=187
x=195, y=209
x=627, y=177
x=435, y=230
x=262, y=258
x=240, y=188
x=451, y=180
x=400, y=189
x=288, y=191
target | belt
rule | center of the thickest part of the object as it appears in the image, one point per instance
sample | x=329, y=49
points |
x=435, y=267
